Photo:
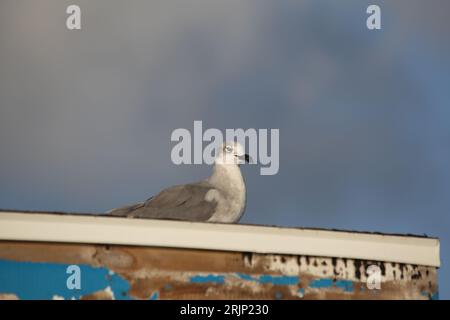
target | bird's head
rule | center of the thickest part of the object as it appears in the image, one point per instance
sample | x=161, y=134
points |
x=232, y=153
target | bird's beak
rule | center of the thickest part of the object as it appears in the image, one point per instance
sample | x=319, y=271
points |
x=246, y=158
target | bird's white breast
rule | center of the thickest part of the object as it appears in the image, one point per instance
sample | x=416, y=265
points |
x=231, y=200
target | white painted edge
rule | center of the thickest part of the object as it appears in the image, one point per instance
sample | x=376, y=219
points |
x=16, y=226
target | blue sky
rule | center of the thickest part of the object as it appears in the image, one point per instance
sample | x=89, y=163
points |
x=364, y=118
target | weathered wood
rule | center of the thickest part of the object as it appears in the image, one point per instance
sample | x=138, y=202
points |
x=173, y=273
x=67, y=228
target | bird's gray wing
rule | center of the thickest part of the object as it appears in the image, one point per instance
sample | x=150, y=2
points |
x=182, y=202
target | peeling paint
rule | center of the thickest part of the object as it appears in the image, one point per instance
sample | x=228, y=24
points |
x=30, y=280
x=279, y=280
x=326, y=283
x=154, y=296
x=431, y=296
x=346, y=285
x=275, y=280
x=8, y=296
x=350, y=269
x=125, y=272
x=219, y=279
x=321, y=283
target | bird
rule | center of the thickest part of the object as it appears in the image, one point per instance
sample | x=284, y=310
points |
x=219, y=198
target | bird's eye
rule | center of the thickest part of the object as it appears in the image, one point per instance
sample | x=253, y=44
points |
x=228, y=149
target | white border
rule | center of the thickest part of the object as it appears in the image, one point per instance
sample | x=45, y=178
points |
x=243, y=238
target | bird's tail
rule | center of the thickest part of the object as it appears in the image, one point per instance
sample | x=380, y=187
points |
x=124, y=211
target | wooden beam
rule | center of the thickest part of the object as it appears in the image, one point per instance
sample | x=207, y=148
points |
x=237, y=238
x=137, y=272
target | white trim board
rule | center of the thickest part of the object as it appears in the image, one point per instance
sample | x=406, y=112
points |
x=15, y=226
